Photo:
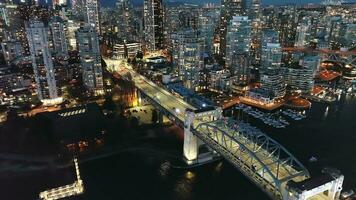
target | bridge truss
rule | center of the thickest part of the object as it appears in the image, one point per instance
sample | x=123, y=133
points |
x=263, y=160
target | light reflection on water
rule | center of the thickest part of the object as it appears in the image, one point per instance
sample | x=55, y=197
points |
x=164, y=168
x=326, y=112
x=185, y=185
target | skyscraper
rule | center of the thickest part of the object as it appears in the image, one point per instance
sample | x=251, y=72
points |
x=303, y=30
x=189, y=55
x=89, y=52
x=238, y=46
x=207, y=23
x=153, y=23
x=254, y=13
x=229, y=8
x=92, y=14
x=37, y=36
x=59, y=39
x=270, y=70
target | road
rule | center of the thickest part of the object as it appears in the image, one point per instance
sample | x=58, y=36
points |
x=168, y=101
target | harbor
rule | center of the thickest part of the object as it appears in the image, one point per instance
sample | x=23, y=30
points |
x=275, y=119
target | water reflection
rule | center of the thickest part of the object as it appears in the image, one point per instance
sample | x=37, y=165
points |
x=164, y=168
x=218, y=167
x=185, y=185
x=326, y=112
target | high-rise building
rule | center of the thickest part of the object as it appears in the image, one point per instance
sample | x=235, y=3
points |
x=271, y=56
x=254, y=13
x=299, y=78
x=37, y=35
x=272, y=82
x=350, y=35
x=335, y=29
x=303, y=33
x=271, y=53
x=270, y=71
x=189, y=55
x=124, y=15
x=287, y=25
x=153, y=23
x=207, y=24
x=238, y=39
x=229, y=8
x=311, y=62
x=59, y=39
x=92, y=14
x=90, y=58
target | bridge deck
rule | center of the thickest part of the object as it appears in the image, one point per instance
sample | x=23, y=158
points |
x=168, y=101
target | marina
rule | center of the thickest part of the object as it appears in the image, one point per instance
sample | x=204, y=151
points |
x=272, y=119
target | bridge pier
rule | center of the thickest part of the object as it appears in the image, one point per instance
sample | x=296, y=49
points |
x=139, y=97
x=191, y=141
x=190, y=146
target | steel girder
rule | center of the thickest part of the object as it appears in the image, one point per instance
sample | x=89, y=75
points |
x=261, y=158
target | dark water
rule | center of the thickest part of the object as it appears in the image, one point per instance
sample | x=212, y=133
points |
x=151, y=168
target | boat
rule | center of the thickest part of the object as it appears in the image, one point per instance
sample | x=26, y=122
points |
x=313, y=159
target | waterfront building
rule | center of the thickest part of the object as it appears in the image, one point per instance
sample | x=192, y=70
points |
x=271, y=76
x=153, y=22
x=37, y=35
x=90, y=59
x=311, y=62
x=59, y=38
x=299, y=78
x=238, y=48
x=272, y=81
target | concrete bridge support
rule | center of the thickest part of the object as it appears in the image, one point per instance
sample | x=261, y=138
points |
x=191, y=142
x=139, y=97
x=190, y=146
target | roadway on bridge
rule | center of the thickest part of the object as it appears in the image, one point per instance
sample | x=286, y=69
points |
x=168, y=101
